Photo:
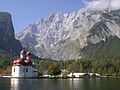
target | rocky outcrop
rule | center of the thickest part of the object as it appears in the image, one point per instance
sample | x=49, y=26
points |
x=7, y=37
x=62, y=36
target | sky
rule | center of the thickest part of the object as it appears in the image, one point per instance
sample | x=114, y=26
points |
x=26, y=12
x=103, y=4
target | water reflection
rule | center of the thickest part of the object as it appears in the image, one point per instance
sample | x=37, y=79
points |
x=76, y=83
x=61, y=84
x=84, y=84
x=21, y=84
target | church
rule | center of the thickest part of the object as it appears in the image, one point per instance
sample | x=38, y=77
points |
x=23, y=67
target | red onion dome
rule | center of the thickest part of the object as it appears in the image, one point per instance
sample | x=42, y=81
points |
x=14, y=62
x=18, y=62
x=28, y=53
x=28, y=62
x=22, y=52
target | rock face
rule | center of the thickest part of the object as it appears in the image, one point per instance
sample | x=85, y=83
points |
x=7, y=37
x=62, y=36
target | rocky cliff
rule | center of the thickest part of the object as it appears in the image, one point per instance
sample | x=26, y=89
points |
x=7, y=37
x=62, y=36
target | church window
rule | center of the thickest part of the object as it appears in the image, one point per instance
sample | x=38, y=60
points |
x=14, y=69
x=26, y=69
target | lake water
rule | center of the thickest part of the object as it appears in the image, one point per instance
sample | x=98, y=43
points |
x=60, y=84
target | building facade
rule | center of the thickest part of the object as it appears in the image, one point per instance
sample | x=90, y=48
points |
x=23, y=67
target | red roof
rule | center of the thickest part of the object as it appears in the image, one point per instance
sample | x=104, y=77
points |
x=22, y=62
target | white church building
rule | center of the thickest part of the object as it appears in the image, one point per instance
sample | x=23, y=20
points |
x=23, y=67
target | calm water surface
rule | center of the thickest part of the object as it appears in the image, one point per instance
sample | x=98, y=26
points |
x=60, y=84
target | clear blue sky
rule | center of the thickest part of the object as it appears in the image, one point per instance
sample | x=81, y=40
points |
x=25, y=12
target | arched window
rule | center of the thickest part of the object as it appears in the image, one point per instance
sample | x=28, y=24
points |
x=26, y=69
x=23, y=69
x=14, y=69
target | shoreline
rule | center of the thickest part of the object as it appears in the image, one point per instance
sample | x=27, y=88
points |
x=52, y=77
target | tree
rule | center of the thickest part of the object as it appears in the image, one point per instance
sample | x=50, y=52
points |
x=54, y=69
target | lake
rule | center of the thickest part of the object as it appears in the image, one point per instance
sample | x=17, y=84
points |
x=60, y=84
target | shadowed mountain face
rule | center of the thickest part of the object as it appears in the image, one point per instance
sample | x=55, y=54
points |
x=108, y=49
x=7, y=37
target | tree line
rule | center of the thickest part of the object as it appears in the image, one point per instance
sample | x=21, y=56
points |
x=107, y=67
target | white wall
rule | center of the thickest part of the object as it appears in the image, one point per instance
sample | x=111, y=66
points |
x=22, y=71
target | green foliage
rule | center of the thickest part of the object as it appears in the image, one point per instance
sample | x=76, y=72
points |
x=7, y=56
x=5, y=67
x=86, y=65
x=54, y=69
x=102, y=58
x=108, y=49
x=6, y=59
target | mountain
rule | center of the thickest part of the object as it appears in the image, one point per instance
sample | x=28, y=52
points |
x=7, y=36
x=63, y=36
x=108, y=49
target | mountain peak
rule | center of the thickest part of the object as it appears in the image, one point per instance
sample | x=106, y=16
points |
x=7, y=37
x=62, y=36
